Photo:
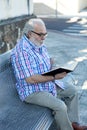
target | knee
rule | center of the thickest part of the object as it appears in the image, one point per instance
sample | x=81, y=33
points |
x=62, y=107
x=71, y=89
x=73, y=93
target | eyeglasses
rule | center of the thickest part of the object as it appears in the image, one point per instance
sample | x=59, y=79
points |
x=40, y=34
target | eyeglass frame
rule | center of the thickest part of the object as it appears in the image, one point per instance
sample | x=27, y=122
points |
x=40, y=34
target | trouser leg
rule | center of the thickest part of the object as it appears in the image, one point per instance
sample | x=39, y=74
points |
x=58, y=106
x=70, y=97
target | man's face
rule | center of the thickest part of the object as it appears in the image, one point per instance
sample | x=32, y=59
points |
x=38, y=35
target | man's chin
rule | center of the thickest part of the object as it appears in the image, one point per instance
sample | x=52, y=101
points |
x=39, y=43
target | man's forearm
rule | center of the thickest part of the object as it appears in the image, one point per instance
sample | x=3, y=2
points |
x=39, y=79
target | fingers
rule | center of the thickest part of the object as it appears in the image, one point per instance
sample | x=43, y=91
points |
x=60, y=75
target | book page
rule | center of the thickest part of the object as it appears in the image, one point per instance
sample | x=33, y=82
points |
x=60, y=84
x=70, y=65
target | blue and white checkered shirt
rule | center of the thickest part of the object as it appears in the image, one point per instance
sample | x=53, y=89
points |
x=27, y=60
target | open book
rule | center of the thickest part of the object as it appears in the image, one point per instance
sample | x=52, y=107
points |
x=69, y=67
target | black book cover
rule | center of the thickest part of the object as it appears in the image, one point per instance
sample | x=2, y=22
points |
x=56, y=71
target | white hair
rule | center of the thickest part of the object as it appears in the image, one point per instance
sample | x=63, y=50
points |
x=30, y=24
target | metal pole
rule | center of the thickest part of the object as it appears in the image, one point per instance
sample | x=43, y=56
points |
x=56, y=9
x=28, y=6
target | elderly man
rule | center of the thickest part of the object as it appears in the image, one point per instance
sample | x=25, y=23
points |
x=29, y=60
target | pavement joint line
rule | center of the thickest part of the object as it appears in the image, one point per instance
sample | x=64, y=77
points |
x=75, y=34
x=68, y=35
x=77, y=27
x=70, y=30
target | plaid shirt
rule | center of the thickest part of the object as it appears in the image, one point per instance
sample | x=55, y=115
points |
x=27, y=60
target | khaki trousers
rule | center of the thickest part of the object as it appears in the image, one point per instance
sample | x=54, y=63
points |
x=64, y=106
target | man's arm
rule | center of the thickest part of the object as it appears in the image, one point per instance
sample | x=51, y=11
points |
x=40, y=78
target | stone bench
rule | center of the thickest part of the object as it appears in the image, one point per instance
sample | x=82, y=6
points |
x=14, y=114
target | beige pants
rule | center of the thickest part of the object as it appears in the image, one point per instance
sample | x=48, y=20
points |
x=65, y=106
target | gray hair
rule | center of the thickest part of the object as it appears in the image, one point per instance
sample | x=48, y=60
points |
x=30, y=24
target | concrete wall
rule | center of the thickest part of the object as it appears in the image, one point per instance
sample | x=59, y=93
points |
x=13, y=15
x=82, y=4
x=14, y=8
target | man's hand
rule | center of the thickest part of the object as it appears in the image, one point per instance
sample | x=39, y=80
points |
x=61, y=75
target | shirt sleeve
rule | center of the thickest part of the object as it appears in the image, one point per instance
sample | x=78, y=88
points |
x=22, y=64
